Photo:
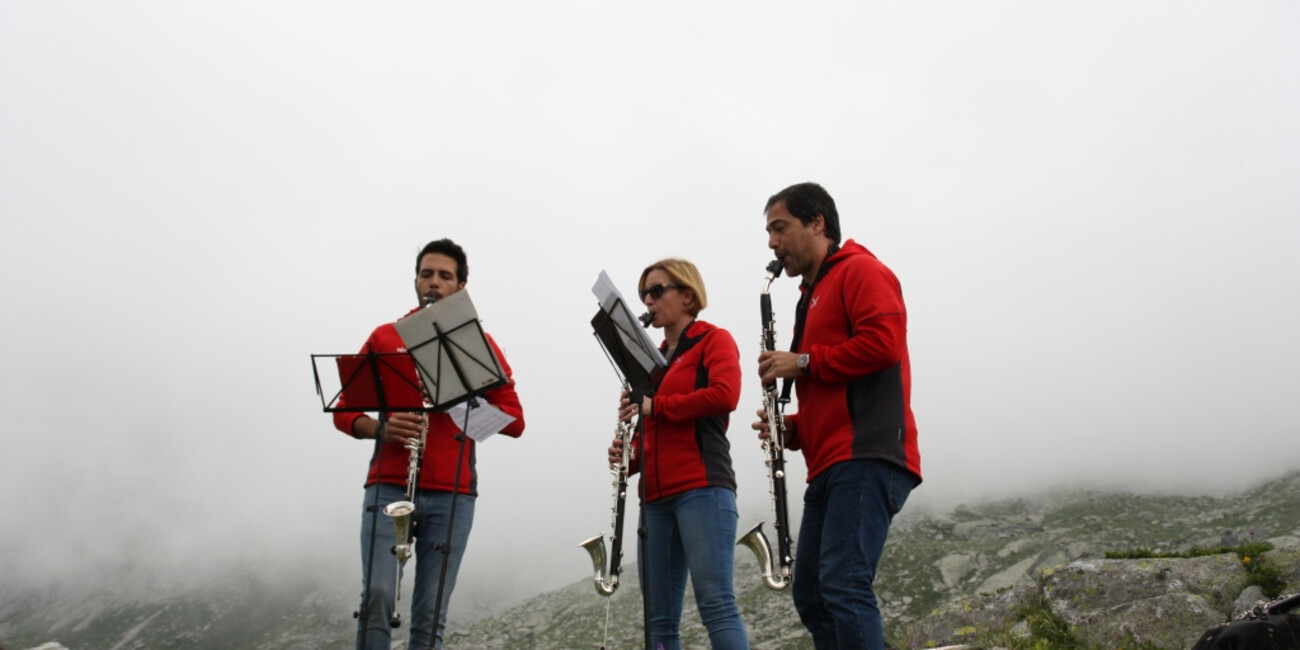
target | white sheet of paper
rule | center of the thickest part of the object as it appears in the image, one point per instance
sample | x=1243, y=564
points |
x=631, y=331
x=455, y=315
x=485, y=420
x=606, y=292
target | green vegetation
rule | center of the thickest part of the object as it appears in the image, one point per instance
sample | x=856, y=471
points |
x=1259, y=571
x=1036, y=627
x=1047, y=630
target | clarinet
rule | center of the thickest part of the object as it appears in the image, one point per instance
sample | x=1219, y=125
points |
x=775, y=572
x=400, y=511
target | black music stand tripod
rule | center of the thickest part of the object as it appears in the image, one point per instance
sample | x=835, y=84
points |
x=381, y=383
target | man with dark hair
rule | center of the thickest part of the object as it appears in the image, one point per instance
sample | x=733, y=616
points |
x=850, y=367
x=807, y=201
x=447, y=248
x=441, y=269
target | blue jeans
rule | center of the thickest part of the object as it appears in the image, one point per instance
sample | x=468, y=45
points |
x=432, y=510
x=695, y=531
x=847, y=510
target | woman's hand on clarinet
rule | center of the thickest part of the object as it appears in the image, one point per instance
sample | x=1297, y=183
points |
x=626, y=409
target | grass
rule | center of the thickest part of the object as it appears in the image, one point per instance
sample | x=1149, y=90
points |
x=1259, y=571
x=1046, y=631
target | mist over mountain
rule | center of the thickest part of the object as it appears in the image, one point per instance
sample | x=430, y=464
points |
x=931, y=559
x=1091, y=208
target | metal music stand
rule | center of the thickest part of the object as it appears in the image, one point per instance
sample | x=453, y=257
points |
x=371, y=382
x=640, y=364
x=456, y=364
x=454, y=359
x=634, y=356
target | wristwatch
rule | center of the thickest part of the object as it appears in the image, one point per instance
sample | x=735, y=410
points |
x=802, y=364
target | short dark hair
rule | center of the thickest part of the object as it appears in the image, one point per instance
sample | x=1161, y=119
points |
x=450, y=249
x=807, y=200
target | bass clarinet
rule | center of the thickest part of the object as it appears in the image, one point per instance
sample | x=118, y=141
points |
x=774, y=571
x=607, y=581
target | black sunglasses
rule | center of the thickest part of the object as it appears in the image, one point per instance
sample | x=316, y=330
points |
x=657, y=291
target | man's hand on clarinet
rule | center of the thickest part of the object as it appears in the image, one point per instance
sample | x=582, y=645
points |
x=774, y=365
x=761, y=426
x=615, y=453
x=403, y=427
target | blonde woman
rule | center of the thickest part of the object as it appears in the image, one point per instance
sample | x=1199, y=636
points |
x=689, y=488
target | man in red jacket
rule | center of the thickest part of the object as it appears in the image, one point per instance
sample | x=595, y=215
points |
x=441, y=270
x=851, y=373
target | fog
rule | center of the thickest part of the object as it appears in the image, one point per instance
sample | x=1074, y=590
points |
x=1092, y=208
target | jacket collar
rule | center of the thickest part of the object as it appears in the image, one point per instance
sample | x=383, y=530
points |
x=693, y=332
x=835, y=255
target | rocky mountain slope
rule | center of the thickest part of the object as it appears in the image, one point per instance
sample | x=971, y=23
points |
x=990, y=557
x=938, y=569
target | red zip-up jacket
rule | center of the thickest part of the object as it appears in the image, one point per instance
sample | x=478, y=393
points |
x=686, y=432
x=438, y=471
x=855, y=401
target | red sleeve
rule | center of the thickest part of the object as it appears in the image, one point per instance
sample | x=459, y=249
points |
x=873, y=301
x=505, y=397
x=722, y=360
x=345, y=421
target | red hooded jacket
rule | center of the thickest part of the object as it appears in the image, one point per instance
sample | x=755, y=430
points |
x=855, y=401
x=686, y=432
x=438, y=471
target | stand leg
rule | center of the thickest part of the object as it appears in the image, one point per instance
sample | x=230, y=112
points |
x=363, y=613
x=445, y=548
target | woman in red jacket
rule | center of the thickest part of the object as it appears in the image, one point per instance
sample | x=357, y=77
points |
x=682, y=454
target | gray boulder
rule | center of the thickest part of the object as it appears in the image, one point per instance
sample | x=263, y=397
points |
x=1167, y=602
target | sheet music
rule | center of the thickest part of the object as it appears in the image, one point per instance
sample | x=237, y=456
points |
x=485, y=420
x=630, y=329
x=605, y=291
x=475, y=367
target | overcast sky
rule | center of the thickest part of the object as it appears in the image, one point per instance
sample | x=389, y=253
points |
x=1093, y=209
